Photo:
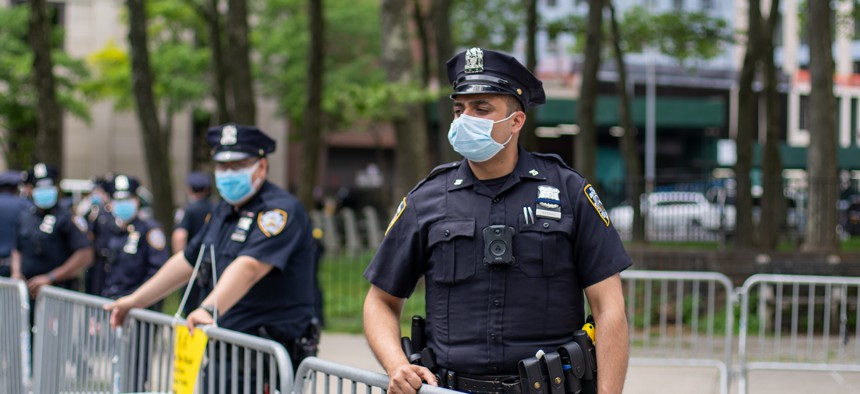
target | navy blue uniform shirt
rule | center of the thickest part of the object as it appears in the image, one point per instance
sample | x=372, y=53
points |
x=46, y=239
x=136, y=252
x=102, y=226
x=194, y=216
x=11, y=206
x=483, y=319
x=274, y=229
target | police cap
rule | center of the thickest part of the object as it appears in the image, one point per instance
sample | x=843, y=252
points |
x=233, y=142
x=198, y=181
x=11, y=178
x=480, y=71
x=123, y=186
x=43, y=175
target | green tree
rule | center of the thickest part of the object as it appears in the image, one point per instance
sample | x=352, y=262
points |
x=49, y=117
x=493, y=24
x=312, y=132
x=18, y=97
x=585, y=143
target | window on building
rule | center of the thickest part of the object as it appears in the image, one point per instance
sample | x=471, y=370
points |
x=707, y=5
x=678, y=5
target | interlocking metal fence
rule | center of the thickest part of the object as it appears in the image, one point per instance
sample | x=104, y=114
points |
x=77, y=351
x=14, y=336
x=680, y=319
x=794, y=322
x=317, y=376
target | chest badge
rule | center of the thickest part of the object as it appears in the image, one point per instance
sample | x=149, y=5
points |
x=548, y=203
x=591, y=194
x=272, y=222
x=240, y=234
x=131, y=243
x=48, y=223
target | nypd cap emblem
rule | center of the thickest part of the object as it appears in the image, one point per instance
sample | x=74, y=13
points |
x=228, y=135
x=474, y=61
x=591, y=194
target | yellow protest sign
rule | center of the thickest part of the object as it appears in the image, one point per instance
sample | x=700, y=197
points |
x=187, y=357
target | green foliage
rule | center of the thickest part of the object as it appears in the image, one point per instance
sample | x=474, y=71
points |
x=18, y=97
x=178, y=57
x=487, y=23
x=351, y=58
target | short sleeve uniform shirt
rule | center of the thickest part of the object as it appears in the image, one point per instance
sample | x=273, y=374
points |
x=483, y=319
x=274, y=229
x=46, y=239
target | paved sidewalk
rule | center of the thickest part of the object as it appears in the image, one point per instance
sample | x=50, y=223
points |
x=353, y=350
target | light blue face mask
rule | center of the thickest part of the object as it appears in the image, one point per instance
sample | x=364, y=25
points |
x=95, y=199
x=45, y=197
x=235, y=185
x=124, y=209
x=471, y=137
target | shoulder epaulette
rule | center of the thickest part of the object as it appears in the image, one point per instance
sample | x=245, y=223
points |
x=553, y=157
x=436, y=171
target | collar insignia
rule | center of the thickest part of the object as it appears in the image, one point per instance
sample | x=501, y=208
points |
x=534, y=172
x=458, y=182
x=474, y=61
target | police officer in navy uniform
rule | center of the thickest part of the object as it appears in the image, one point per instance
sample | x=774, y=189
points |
x=263, y=246
x=189, y=222
x=53, y=247
x=11, y=206
x=137, y=247
x=102, y=227
x=507, y=241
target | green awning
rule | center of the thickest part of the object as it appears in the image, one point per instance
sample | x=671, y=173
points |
x=795, y=157
x=676, y=112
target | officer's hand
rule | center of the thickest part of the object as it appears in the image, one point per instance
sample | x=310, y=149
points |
x=35, y=283
x=118, y=309
x=407, y=379
x=18, y=276
x=198, y=316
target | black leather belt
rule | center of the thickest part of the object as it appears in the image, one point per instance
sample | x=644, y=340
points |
x=503, y=384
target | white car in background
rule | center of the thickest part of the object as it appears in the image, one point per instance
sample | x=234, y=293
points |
x=677, y=216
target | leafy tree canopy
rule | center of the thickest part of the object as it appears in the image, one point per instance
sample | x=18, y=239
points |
x=492, y=24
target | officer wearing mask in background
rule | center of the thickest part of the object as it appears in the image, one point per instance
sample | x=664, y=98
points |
x=189, y=221
x=506, y=241
x=137, y=247
x=264, y=251
x=11, y=206
x=53, y=246
x=102, y=225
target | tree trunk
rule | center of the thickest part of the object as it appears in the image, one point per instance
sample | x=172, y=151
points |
x=440, y=17
x=219, y=65
x=635, y=183
x=585, y=143
x=244, y=107
x=49, y=137
x=312, y=120
x=747, y=117
x=410, y=130
x=421, y=29
x=822, y=212
x=773, y=206
x=528, y=139
x=157, y=161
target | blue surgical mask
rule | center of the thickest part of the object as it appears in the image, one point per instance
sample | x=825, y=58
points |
x=235, y=185
x=472, y=137
x=124, y=209
x=45, y=197
x=95, y=199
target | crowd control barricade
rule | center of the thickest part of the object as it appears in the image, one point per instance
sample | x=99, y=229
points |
x=680, y=319
x=14, y=336
x=75, y=348
x=317, y=376
x=794, y=322
x=233, y=362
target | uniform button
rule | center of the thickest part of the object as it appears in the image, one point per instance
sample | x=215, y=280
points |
x=495, y=200
x=493, y=336
x=447, y=232
x=546, y=225
x=497, y=303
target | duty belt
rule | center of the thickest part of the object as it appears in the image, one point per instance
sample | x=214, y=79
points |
x=503, y=384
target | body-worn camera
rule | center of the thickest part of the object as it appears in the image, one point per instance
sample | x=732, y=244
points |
x=498, y=245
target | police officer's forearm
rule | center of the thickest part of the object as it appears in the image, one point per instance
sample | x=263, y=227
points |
x=173, y=274
x=242, y=274
x=612, y=350
x=15, y=264
x=179, y=239
x=73, y=266
x=382, y=328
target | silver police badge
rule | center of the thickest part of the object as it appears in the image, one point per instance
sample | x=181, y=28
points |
x=548, y=202
x=474, y=61
x=228, y=135
x=596, y=203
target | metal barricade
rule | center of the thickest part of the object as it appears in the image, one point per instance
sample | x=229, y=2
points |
x=681, y=319
x=75, y=348
x=77, y=351
x=793, y=322
x=14, y=336
x=317, y=376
